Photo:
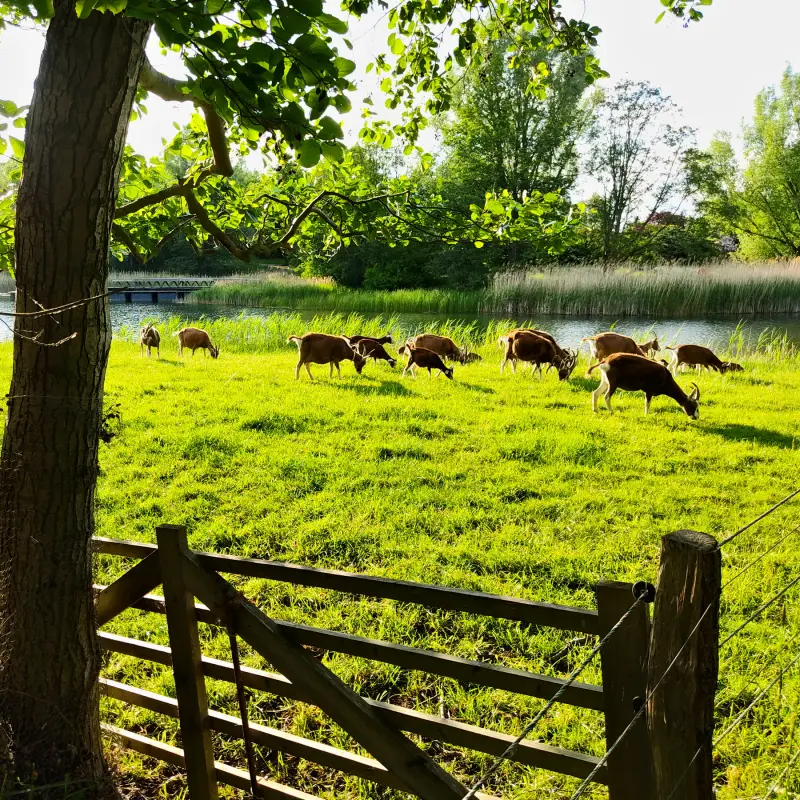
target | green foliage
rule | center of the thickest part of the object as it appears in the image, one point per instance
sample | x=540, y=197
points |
x=759, y=202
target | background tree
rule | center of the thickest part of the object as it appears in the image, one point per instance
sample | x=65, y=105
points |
x=759, y=203
x=635, y=154
x=263, y=75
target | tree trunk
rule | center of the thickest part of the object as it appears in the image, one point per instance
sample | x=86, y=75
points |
x=49, y=655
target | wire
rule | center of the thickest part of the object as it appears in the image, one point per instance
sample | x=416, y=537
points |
x=762, y=556
x=759, y=518
x=783, y=774
x=512, y=748
x=758, y=611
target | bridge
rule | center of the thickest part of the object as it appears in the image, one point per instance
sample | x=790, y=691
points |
x=153, y=289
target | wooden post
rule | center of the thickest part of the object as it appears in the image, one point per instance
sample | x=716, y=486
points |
x=680, y=713
x=190, y=686
x=623, y=661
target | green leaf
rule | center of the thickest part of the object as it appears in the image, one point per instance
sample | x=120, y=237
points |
x=309, y=153
x=342, y=104
x=330, y=129
x=44, y=8
x=293, y=22
x=8, y=108
x=660, y=17
x=479, y=244
x=344, y=66
x=84, y=8
x=333, y=23
x=311, y=8
x=386, y=84
x=398, y=47
x=17, y=147
x=332, y=151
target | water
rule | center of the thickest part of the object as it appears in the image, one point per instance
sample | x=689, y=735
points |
x=714, y=331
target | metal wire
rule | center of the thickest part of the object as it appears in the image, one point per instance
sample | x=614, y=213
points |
x=512, y=748
x=761, y=557
x=759, y=610
x=783, y=774
x=759, y=518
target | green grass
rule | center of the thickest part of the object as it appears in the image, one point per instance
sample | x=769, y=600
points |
x=493, y=483
x=620, y=291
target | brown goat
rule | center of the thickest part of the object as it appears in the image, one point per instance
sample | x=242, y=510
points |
x=695, y=355
x=379, y=339
x=149, y=337
x=195, y=339
x=372, y=348
x=322, y=348
x=505, y=341
x=443, y=346
x=427, y=359
x=605, y=344
x=634, y=373
x=537, y=350
x=650, y=348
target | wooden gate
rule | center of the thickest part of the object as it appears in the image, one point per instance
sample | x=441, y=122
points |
x=378, y=727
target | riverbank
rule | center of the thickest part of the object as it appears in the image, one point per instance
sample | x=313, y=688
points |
x=685, y=292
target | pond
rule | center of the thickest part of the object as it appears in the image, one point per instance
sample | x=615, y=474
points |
x=714, y=331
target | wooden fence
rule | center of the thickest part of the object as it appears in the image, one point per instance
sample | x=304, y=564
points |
x=377, y=726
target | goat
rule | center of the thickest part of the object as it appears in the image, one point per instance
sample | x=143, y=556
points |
x=149, y=337
x=605, y=344
x=322, y=348
x=537, y=350
x=635, y=373
x=696, y=355
x=427, y=359
x=443, y=346
x=372, y=348
x=379, y=339
x=650, y=348
x=194, y=339
x=469, y=357
x=504, y=341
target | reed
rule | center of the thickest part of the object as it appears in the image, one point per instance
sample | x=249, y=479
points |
x=621, y=291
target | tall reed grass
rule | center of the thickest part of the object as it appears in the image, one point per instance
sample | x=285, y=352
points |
x=725, y=288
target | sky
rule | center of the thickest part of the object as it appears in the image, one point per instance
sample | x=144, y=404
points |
x=713, y=69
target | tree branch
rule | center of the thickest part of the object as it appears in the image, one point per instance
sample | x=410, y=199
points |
x=127, y=240
x=176, y=190
x=196, y=208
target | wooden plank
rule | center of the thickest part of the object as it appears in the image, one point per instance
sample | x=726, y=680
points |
x=680, y=713
x=418, y=773
x=582, y=695
x=127, y=589
x=190, y=684
x=224, y=773
x=275, y=739
x=623, y=661
x=534, y=754
x=566, y=618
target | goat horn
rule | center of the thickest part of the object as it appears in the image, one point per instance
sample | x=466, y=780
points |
x=695, y=395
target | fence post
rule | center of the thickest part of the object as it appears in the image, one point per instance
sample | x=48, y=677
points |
x=184, y=642
x=623, y=662
x=680, y=713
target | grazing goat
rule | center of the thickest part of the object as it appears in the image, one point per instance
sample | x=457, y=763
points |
x=605, y=344
x=506, y=341
x=650, y=348
x=321, y=348
x=372, y=348
x=695, y=355
x=634, y=373
x=443, y=346
x=150, y=337
x=537, y=350
x=194, y=339
x=427, y=359
x=379, y=339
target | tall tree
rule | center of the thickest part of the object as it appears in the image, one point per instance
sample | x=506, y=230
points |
x=262, y=73
x=759, y=202
x=503, y=132
x=635, y=153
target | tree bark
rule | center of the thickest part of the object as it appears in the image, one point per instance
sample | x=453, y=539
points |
x=49, y=655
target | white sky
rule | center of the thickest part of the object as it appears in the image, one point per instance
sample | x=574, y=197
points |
x=713, y=69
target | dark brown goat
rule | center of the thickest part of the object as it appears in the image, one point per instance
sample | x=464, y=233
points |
x=321, y=348
x=150, y=337
x=372, y=348
x=605, y=344
x=695, y=355
x=505, y=341
x=427, y=359
x=537, y=350
x=443, y=346
x=634, y=373
x=379, y=339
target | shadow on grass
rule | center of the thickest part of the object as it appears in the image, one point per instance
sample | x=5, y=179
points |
x=582, y=382
x=392, y=388
x=475, y=387
x=748, y=433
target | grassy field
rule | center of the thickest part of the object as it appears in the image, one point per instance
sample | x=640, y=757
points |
x=620, y=291
x=495, y=483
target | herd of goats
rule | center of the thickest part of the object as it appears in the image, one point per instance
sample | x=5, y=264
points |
x=623, y=363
